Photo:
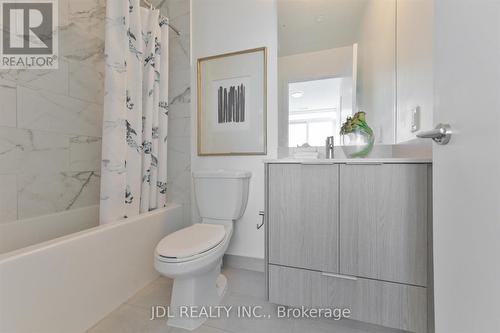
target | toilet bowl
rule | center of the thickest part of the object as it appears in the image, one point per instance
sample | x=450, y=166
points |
x=193, y=256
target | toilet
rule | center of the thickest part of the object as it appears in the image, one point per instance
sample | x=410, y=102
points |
x=192, y=256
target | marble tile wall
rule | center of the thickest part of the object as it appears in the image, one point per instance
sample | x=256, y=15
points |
x=50, y=121
x=179, y=133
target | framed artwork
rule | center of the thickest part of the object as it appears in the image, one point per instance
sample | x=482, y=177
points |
x=232, y=103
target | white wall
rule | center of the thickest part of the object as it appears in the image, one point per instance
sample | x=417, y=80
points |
x=221, y=26
x=335, y=62
x=414, y=65
x=376, y=68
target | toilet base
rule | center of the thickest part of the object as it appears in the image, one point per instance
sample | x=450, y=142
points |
x=194, y=292
x=221, y=284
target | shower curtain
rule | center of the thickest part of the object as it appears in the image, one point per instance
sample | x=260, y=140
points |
x=135, y=120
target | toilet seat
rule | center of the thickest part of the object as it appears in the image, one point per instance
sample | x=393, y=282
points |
x=191, y=242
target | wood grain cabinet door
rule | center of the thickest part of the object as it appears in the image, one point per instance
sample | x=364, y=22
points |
x=383, y=222
x=303, y=216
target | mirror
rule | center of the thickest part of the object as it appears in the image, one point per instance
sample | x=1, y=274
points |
x=314, y=110
x=335, y=57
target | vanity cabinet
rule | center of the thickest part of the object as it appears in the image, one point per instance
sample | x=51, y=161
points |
x=350, y=235
x=304, y=228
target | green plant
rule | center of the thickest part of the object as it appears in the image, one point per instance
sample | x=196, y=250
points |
x=357, y=122
x=358, y=125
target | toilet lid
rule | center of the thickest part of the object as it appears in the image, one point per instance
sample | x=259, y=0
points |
x=190, y=241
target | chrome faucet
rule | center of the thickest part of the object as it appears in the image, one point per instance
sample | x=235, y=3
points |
x=329, y=146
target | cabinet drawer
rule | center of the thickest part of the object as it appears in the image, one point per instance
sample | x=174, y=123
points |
x=383, y=303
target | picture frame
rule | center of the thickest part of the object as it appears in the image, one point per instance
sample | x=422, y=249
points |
x=232, y=103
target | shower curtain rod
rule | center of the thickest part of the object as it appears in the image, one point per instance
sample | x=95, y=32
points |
x=148, y=3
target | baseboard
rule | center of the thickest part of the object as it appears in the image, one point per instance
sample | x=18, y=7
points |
x=249, y=263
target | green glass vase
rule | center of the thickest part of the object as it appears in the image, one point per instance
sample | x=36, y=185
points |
x=358, y=143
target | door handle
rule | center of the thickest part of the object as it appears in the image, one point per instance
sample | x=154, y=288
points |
x=340, y=276
x=441, y=134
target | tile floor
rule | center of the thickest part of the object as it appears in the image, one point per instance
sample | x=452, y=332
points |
x=244, y=288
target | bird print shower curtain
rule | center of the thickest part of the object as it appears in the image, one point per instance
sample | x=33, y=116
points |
x=135, y=120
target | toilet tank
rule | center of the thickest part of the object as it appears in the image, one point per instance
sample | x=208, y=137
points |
x=221, y=194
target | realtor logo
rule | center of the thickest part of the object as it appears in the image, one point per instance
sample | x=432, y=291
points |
x=29, y=34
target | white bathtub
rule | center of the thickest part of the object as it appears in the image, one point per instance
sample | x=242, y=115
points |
x=19, y=234
x=68, y=284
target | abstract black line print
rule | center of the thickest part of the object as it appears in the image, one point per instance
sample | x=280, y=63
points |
x=231, y=104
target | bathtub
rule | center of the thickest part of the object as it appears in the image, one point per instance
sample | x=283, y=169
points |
x=21, y=233
x=68, y=284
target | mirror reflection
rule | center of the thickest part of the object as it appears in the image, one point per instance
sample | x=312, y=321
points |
x=314, y=111
x=336, y=57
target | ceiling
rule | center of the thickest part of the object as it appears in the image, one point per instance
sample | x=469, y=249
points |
x=313, y=25
x=318, y=94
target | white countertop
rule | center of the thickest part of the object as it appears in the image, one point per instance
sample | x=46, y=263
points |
x=351, y=161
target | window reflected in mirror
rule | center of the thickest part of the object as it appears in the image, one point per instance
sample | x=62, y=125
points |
x=316, y=109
